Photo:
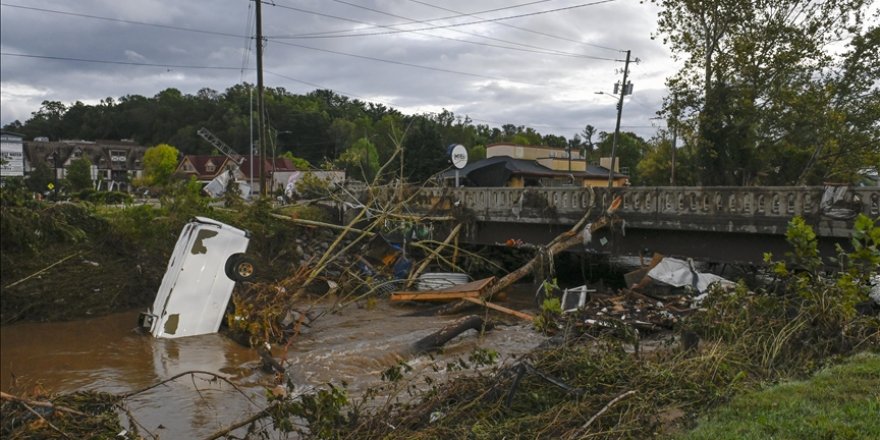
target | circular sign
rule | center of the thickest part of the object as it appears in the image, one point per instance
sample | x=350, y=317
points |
x=458, y=155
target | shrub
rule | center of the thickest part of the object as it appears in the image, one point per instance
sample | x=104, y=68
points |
x=310, y=186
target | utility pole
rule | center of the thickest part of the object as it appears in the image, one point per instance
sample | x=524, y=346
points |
x=623, y=88
x=674, y=141
x=674, y=121
x=251, y=126
x=261, y=124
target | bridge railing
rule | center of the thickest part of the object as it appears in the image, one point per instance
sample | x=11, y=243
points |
x=759, y=209
x=780, y=201
x=744, y=201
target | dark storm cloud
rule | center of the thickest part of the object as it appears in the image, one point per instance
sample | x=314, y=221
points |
x=553, y=94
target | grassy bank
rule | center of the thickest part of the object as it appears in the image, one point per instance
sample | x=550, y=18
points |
x=77, y=259
x=66, y=260
x=840, y=402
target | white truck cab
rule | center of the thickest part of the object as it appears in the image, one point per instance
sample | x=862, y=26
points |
x=206, y=262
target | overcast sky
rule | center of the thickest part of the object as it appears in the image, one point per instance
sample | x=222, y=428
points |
x=540, y=69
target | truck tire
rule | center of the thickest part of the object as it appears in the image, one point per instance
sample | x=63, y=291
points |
x=241, y=268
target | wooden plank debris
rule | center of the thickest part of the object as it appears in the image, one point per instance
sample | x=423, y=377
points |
x=432, y=295
x=468, y=290
x=501, y=309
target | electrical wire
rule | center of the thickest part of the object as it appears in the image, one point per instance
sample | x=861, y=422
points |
x=246, y=53
x=391, y=106
x=402, y=63
x=119, y=20
x=445, y=26
x=125, y=63
x=475, y=15
x=247, y=37
x=448, y=17
x=318, y=86
x=535, y=49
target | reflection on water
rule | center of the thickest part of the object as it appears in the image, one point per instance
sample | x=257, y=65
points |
x=107, y=354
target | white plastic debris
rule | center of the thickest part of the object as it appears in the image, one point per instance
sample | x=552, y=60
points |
x=681, y=273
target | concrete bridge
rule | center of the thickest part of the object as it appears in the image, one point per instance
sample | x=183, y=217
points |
x=723, y=224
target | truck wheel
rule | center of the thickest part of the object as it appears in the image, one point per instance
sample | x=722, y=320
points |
x=240, y=267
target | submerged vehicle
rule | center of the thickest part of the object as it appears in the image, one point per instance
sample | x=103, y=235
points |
x=207, y=261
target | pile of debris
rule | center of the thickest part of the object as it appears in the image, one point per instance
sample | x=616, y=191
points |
x=309, y=248
x=658, y=296
x=637, y=310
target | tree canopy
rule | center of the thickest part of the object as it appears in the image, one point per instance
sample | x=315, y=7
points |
x=764, y=93
x=79, y=174
x=319, y=127
x=159, y=164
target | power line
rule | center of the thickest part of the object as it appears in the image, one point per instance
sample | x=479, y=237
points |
x=246, y=54
x=119, y=20
x=475, y=15
x=401, y=63
x=392, y=106
x=536, y=49
x=125, y=63
x=318, y=86
x=445, y=26
x=410, y=22
x=356, y=96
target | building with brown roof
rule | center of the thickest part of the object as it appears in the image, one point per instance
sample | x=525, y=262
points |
x=207, y=168
x=505, y=171
x=114, y=163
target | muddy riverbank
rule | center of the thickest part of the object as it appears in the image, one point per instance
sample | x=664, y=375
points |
x=354, y=345
x=599, y=363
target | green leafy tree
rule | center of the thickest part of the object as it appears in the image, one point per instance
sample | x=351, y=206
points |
x=183, y=200
x=39, y=178
x=552, y=140
x=769, y=102
x=801, y=274
x=361, y=160
x=232, y=196
x=298, y=162
x=587, y=145
x=317, y=126
x=387, y=132
x=655, y=168
x=47, y=121
x=424, y=152
x=79, y=174
x=342, y=132
x=477, y=152
x=159, y=164
x=630, y=149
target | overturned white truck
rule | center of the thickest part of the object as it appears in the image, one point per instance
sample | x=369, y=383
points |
x=207, y=261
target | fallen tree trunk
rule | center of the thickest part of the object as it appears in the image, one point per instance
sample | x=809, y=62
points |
x=440, y=337
x=564, y=241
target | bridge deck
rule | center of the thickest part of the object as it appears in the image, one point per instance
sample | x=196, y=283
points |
x=758, y=210
x=732, y=224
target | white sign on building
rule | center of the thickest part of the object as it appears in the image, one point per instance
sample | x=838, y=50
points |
x=12, y=155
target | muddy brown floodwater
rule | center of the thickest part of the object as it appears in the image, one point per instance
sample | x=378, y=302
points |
x=354, y=345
